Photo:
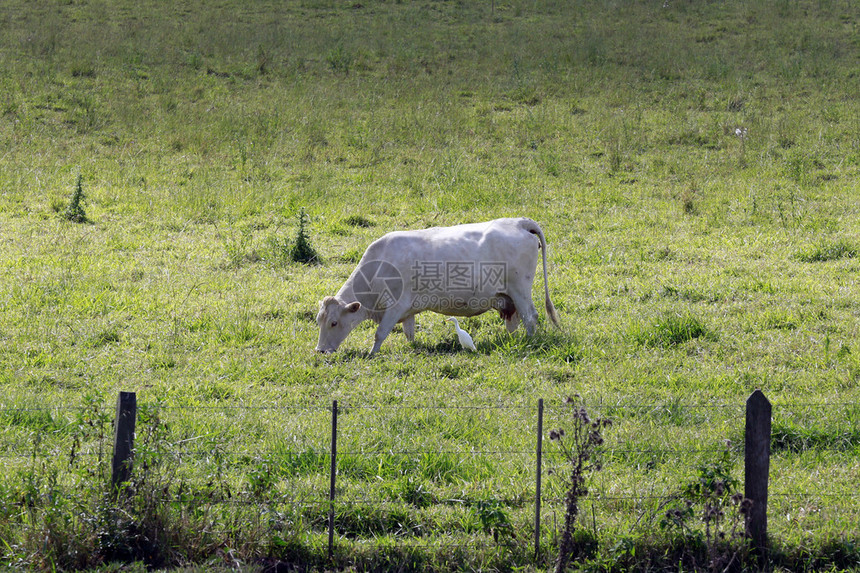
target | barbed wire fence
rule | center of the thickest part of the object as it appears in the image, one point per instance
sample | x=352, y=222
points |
x=336, y=446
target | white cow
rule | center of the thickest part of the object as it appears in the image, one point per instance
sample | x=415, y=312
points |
x=463, y=270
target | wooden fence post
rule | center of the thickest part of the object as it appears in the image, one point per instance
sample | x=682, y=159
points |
x=757, y=467
x=123, y=442
x=333, y=474
x=538, y=476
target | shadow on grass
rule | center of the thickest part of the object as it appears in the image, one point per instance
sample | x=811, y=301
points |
x=543, y=344
x=446, y=346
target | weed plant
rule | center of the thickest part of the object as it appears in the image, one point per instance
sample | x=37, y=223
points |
x=580, y=448
x=75, y=210
x=715, y=501
x=301, y=250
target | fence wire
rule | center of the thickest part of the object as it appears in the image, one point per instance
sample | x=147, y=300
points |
x=374, y=433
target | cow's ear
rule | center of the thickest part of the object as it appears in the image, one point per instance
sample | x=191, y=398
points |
x=353, y=306
x=327, y=301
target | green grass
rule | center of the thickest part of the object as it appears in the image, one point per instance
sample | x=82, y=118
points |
x=694, y=167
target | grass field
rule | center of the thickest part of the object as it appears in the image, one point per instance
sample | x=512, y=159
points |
x=694, y=166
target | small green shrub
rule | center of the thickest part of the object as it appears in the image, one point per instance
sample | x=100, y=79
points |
x=494, y=519
x=301, y=250
x=75, y=210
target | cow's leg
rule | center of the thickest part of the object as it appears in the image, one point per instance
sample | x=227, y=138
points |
x=409, y=328
x=530, y=321
x=505, y=305
x=526, y=309
x=386, y=325
x=512, y=321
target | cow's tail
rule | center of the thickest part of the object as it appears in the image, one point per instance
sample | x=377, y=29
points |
x=535, y=229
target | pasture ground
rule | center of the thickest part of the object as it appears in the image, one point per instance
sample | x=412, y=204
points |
x=694, y=166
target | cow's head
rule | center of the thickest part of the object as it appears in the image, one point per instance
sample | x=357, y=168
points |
x=336, y=320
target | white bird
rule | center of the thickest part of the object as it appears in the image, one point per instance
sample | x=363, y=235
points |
x=464, y=337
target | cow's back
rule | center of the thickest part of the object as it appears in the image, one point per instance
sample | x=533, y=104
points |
x=497, y=240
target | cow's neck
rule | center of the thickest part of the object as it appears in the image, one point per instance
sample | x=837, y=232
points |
x=346, y=294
